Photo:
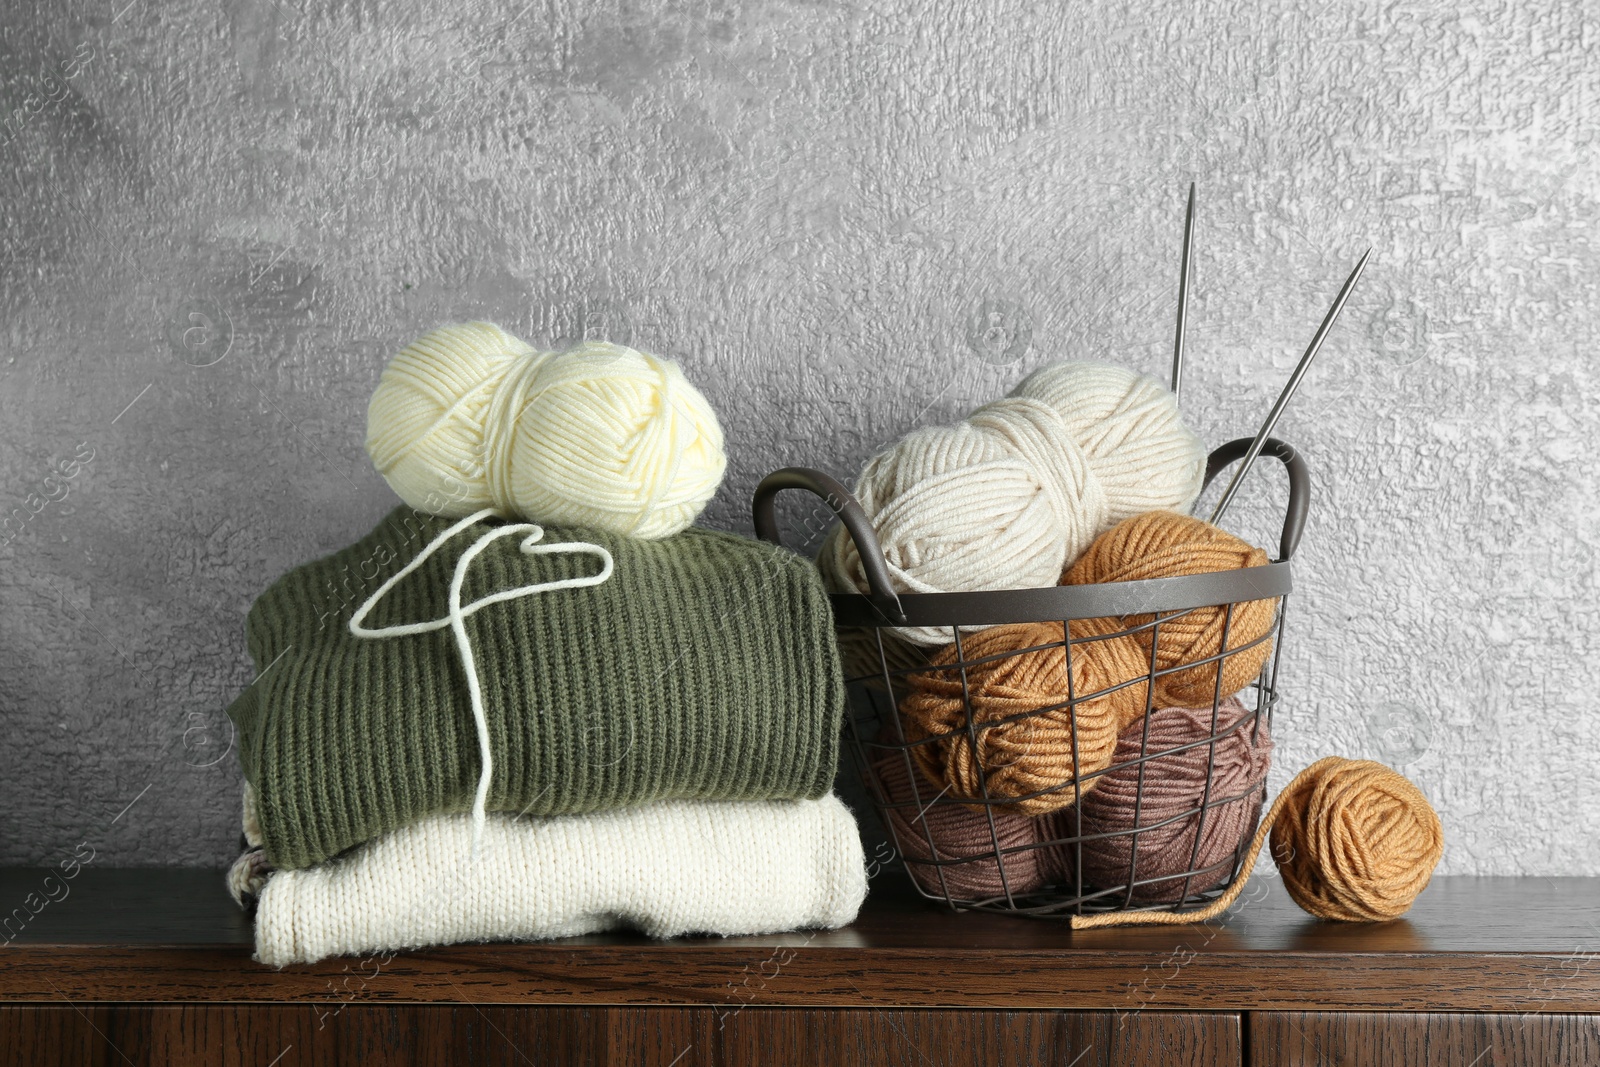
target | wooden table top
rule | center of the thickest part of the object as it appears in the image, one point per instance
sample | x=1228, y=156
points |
x=1470, y=943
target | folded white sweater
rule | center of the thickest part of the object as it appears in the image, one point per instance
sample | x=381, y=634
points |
x=669, y=868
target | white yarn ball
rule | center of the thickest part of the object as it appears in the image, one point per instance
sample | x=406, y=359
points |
x=1128, y=426
x=1010, y=496
x=602, y=436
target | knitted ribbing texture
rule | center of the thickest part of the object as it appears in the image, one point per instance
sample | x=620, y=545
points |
x=669, y=868
x=704, y=668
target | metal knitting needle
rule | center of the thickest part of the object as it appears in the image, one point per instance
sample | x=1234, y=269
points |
x=1183, y=295
x=1288, y=390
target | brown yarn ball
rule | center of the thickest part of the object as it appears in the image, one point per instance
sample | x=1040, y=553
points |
x=1164, y=544
x=1033, y=753
x=1355, y=841
x=956, y=831
x=1169, y=803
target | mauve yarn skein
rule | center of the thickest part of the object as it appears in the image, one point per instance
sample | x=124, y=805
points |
x=1164, y=544
x=1025, y=744
x=956, y=830
x=1169, y=802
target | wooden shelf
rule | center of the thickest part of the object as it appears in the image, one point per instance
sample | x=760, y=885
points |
x=1470, y=944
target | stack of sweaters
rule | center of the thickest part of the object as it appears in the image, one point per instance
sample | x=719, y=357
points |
x=661, y=742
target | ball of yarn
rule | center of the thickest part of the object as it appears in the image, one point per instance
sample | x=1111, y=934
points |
x=1008, y=497
x=1128, y=426
x=468, y=417
x=1355, y=840
x=1153, y=830
x=1025, y=743
x=1163, y=544
x=926, y=830
x=426, y=420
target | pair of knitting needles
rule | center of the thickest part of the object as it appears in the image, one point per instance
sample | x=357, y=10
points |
x=1294, y=379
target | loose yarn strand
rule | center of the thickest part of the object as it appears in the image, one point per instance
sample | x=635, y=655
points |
x=457, y=615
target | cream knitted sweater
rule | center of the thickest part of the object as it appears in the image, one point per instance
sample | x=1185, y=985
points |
x=668, y=868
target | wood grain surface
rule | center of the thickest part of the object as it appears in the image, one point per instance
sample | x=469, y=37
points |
x=1359, y=1039
x=376, y=1036
x=1471, y=944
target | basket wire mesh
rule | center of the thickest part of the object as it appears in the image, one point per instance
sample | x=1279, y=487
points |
x=879, y=674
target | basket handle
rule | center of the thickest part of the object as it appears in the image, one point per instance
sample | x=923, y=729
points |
x=843, y=504
x=763, y=508
x=1294, y=519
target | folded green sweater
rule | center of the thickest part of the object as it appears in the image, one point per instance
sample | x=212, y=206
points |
x=705, y=667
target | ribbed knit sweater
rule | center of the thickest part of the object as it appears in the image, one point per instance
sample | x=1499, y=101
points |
x=704, y=668
x=669, y=868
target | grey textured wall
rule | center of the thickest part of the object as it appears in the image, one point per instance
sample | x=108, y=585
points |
x=846, y=220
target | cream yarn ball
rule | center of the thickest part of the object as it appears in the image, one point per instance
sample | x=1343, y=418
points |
x=426, y=419
x=1128, y=426
x=469, y=417
x=1010, y=496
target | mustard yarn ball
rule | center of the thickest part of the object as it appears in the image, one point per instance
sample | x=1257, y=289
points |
x=468, y=417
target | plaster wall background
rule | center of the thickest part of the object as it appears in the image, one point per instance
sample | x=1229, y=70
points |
x=846, y=220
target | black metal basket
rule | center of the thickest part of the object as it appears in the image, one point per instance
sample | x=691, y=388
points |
x=908, y=802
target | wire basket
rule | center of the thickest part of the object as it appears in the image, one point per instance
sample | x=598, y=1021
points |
x=1040, y=871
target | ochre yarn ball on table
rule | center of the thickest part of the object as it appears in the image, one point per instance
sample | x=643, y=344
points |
x=1355, y=840
x=1020, y=749
x=1008, y=497
x=927, y=829
x=1169, y=802
x=469, y=417
x=1164, y=544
